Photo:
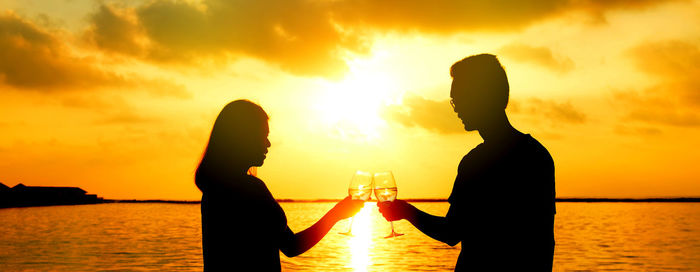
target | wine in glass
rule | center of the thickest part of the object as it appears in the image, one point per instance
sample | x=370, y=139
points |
x=385, y=190
x=360, y=188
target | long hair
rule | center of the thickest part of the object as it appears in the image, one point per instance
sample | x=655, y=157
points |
x=233, y=131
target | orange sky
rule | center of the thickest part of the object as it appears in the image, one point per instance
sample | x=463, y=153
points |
x=118, y=97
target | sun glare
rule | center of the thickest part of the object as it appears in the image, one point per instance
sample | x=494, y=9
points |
x=352, y=107
x=361, y=241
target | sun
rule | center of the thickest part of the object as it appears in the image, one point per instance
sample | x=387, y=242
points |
x=353, y=106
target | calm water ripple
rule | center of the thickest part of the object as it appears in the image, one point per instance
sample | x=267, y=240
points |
x=167, y=237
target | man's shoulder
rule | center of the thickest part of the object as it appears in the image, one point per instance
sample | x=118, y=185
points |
x=536, y=148
x=474, y=152
x=474, y=155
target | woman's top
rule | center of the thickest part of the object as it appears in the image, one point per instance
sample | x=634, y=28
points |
x=242, y=225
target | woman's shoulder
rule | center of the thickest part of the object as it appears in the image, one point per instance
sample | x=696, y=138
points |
x=239, y=184
x=256, y=185
x=254, y=181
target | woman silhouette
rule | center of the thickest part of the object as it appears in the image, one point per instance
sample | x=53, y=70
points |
x=243, y=227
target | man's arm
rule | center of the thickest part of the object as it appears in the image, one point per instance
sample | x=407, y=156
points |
x=437, y=227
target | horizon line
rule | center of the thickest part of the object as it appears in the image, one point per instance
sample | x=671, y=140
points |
x=326, y=200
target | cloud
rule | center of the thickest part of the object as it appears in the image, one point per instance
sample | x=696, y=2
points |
x=675, y=118
x=675, y=100
x=37, y=59
x=122, y=118
x=445, y=16
x=432, y=115
x=93, y=101
x=676, y=63
x=159, y=87
x=649, y=108
x=672, y=58
x=299, y=36
x=115, y=30
x=538, y=55
x=555, y=112
x=33, y=58
x=635, y=130
x=306, y=37
x=439, y=117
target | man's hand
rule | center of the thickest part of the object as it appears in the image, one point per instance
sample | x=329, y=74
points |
x=346, y=208
x=396, y=210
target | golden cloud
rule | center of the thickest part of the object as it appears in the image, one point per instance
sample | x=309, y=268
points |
x=649, y=107
x=122, y=118
x=676, y=98
x=537, y=55
x=297, y=35
x=310, y=37
x=33, y=58
x=113, y=30
x=676, y=63
x=432, y=115
x=37, y=59
x=439, y=117
x=445, y=16
x=539, y=110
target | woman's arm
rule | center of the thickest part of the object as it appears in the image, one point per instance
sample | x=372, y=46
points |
x=295, y=244
x=437, y=227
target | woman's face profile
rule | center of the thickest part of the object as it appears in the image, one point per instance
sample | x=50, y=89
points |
x=259, y=144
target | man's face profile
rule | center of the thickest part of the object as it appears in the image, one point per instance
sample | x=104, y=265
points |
x=462, y=104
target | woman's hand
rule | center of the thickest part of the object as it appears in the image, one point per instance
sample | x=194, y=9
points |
x=396, y=210
x=346, y=208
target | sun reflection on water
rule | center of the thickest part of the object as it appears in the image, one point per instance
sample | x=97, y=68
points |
x=361, y=240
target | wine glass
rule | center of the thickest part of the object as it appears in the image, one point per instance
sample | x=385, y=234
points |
x=360, y=188
x=385, y=190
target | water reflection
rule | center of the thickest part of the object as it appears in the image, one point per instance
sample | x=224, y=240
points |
x=139, y=237
x=361, y=240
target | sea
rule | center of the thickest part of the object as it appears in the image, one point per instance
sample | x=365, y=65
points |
x=167, y=237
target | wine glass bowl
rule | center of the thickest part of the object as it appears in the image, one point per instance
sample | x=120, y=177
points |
x=386, y=191
x=360, y=188
x=385, y=186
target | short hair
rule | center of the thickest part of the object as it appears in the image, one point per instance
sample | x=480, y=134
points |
x=484, y=75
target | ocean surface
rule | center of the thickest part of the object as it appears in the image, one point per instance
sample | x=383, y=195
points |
x=167, y=237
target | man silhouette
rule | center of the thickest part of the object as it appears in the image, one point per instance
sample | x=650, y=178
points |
x=502, y=203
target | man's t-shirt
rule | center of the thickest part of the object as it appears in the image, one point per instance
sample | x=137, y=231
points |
x=502, y=207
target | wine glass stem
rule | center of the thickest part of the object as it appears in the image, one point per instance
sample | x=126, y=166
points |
x=392, y=227
x=352, y=219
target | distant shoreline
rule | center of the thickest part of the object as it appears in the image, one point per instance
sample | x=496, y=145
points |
x=285, y=200
x=414, y=200
x=672, y=199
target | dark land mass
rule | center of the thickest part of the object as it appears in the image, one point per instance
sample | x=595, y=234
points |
x=151, y=201
x=31, y=196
